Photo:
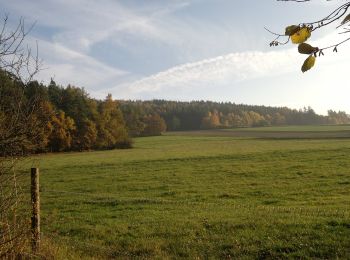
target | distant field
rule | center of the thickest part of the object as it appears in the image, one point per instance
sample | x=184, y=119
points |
x=307, y=128
x=201, y=197
x=281, y=132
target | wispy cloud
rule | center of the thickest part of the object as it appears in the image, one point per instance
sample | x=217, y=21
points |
x=82, y=23
x=221, y=70
x=76, y=26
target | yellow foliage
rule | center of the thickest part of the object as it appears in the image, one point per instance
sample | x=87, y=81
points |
x=301, y=36
x=308, y=63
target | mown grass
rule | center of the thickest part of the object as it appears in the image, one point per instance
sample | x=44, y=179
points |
x=201, y=197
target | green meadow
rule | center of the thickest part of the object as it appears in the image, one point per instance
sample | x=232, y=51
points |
x=305, y=128
x=200, y=197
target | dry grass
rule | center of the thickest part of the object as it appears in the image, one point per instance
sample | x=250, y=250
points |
x=14, y=218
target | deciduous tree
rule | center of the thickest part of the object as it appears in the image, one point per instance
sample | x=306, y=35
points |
x=61, y=132
x=155, y=125
x=111, y=128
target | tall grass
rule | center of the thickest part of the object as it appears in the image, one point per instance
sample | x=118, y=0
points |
x=14, y=208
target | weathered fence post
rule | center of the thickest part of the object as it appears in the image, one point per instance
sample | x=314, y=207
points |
x=35, y=209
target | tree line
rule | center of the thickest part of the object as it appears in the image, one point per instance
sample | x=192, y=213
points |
x=36, y=118
x=67, y=118
x=196, y=115
x=59, y=119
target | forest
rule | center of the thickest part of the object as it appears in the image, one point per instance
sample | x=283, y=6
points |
x=196, y=115
x=36, y=118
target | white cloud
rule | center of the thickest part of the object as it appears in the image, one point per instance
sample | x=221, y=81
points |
x=221, y=70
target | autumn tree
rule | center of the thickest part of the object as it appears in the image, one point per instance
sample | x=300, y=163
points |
x=212, y=120
x=112, y=132
x=300, y=32
x=278, y=119
x=86, y=137
x=155, y=125
x=61, y=132
x=133, y=116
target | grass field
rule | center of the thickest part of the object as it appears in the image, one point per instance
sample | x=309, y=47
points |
x=304, y=128
x=180, y=196
x=280, y=132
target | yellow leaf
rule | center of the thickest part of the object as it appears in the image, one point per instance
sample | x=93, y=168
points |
x=308, y=63
x=301, y=36
x=305, y=48
x=290, y=30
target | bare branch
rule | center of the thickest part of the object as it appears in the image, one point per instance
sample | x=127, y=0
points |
x=18, y=125
x=15, y=58
x=334, y=16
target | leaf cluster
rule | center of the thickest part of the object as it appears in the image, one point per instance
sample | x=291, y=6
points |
x=300, y=33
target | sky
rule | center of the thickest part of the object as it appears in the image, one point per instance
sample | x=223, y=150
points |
x=185, y=50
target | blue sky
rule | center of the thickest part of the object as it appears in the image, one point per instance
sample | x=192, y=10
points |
x=185, y=50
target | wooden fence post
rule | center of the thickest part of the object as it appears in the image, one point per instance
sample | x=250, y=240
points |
x=35, y=210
